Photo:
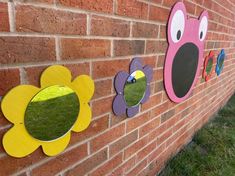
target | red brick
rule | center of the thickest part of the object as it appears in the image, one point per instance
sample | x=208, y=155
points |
x=2, y=132
x=108, y=167
x=102, y=106
x=149, y=126
x=145, y=30
x=132, y=8
x=38, y=1
x=95, y=127
x=150, y=60
x=3, y=122
x=167, y=115
x=122, y=143
x=153, y=135
x=78, y=69
x=117, y=119
x=102, y=26
x=103, y=88
x=146, y=151
x=9, y=78
x=103, y=69
x=191, y=8
x=134, y=148
x=164, y=136
x=158, y=87
x=208, y=4
x=26, y=49
x=158, y=74
x=156, y=1
x=23, y=174
x=176, y=135
x=153, y=101
x=168, y=3
x=170, y=123
x=128, y=47
x=137, y=121
x=87, y=165
x=156, y=153
x=13, y=165
x=52, y=167
x=84, y=48
x=105, y=6
x=156, y=47
x=158, y=14
x=160, y=61
x=125, y=167
x=43, y=20
x=4, y=22
x=162, y=32
x=159, y=109
x=107, y=137
x=138, y=168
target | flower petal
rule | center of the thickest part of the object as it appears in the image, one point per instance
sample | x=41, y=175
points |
x=148, y=71
x=55, y=75
x=132, y=111
x=135, y=65
x=146, y=95
x=18, y=143
x=84, y=118
x=119, y=105
x=52, y=148
x=120, y=81
x=15, y=102
x=84, y=87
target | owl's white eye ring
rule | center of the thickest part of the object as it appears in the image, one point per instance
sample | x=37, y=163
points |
x=177, y=26
x=203, y=28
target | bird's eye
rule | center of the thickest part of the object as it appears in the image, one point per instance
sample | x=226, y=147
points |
x=177, y=26
x=203, y=28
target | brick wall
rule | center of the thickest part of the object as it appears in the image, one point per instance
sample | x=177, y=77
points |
x=99, y=38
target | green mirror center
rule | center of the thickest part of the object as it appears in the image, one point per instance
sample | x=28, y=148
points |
x=209, y=65
x=51, y=113
x=135, y=87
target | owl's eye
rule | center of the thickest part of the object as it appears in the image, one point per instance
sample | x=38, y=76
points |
x=177, y=26
x=203, y=28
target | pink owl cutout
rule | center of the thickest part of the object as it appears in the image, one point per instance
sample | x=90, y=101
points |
x=184, y=56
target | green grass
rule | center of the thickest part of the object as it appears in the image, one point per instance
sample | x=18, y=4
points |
x=212, y=150
x=51, y=113
x=134, y=92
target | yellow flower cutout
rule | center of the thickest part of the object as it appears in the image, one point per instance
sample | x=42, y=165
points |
x=18, y=142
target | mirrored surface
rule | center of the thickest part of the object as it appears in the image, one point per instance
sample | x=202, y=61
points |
x=209, y=66
x=221, y=61
x=51, y=113
x=134, y=89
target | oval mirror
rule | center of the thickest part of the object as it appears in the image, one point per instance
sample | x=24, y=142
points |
x=135, y=88
x=51, y=113
x=221, y=61
x=209, y=66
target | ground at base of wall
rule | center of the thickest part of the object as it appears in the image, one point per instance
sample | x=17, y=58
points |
x=212, y=150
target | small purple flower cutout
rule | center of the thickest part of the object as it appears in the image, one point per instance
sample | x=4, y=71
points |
x=123, y=80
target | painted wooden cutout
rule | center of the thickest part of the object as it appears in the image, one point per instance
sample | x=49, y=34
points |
x=208, y=64
x=123, y=79
x=220, y=62
x=17, y=141
x=185, y=51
